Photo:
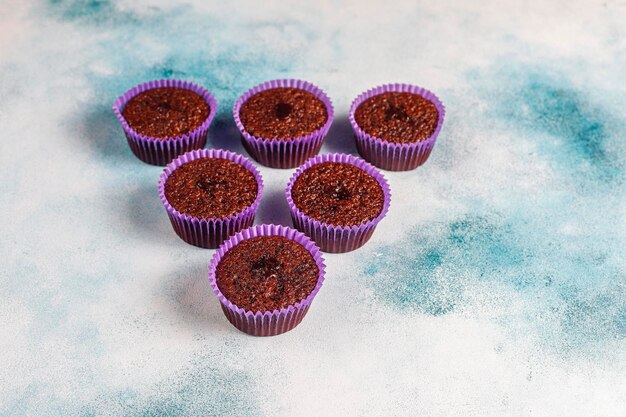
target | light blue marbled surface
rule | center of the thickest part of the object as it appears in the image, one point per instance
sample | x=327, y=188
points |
x=495, y=286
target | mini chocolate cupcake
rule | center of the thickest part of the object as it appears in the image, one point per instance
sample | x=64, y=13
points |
x=266, y=278
x=337, y=200
x=396, y=125
x=283, y=122
x=209, y=195
x=166, y=118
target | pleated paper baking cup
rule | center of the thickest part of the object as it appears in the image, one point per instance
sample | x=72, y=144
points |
x=284, y=152
x=210, y=233
x=395, y=156
x=161, y=151
x=335, y=238
x=269, y=323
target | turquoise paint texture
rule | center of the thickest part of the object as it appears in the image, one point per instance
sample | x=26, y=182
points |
x=496, y=287
x=569, y=127
x=573, y=288
x=227, y=67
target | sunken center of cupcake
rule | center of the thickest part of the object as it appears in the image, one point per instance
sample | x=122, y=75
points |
x=210, y=184
x=338, y=193
x=282, y=110
x=398, y=117
x=209, y=188
x=267, y=273
x=282, y=113
x=166, y=112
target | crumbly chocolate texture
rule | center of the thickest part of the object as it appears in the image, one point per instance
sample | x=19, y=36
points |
x=282, y=113
x=209, y=188
x=267, y=273
x=338, y=193
x=166, y=112
x=398, y=117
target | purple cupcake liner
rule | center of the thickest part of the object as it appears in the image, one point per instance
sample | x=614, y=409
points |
x=395, y=156
x=161, y=151
x=210, y=233
x=288, y=152
x=270, y=323
x=332, y=238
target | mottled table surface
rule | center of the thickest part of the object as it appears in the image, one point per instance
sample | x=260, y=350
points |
x=495, y=286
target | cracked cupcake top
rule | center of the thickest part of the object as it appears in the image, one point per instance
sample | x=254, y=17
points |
x=166, y=112
x=209, y=188
x=398, y=117
x=282, y=113
x=338, y=193
x=267, y=273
